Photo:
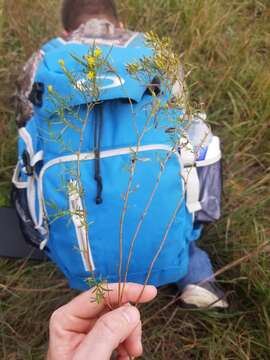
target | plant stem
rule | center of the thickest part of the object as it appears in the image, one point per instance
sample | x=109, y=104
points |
x=161, y=246
x=137, y=230
x=126, y=199
x=86, y=249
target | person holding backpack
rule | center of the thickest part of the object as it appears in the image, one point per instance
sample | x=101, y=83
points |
x=108, y=143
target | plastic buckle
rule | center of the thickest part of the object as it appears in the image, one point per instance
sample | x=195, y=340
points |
x=27, y=163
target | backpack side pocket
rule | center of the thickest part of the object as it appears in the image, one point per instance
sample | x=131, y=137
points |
x=210, y=178
x=20, y=202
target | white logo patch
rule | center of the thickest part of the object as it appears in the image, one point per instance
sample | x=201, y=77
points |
x=116, y=81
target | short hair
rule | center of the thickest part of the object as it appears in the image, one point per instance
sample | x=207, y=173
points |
x=77, y=12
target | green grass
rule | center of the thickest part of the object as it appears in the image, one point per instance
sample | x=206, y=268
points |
x=227, y=46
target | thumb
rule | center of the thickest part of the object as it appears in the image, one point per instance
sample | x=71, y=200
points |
x=109, y=332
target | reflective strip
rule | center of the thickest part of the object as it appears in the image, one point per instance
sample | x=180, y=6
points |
x=31, y=199
x=15, y=179
x=43, y=244
x=26, y=137
x=44, y=231
x=187, y=153
x=189, y=175
x=192, y=185
x=106, y=154
x=91, y=156
x=76, y=206
x=36, y=158
x=29, y=185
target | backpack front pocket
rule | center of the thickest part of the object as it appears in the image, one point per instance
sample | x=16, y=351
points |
x=210, y=179
x=85, y=235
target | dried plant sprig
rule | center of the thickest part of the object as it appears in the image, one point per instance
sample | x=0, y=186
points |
x=100, y=289
x=175, y=109
x=168, y=72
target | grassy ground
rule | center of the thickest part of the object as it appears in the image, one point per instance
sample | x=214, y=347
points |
x=227, y=44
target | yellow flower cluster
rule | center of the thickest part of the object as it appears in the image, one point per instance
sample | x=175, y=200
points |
x=97, y=52
x=61, y=63
x=91, y=75
x=92, y=62
x=50, y=89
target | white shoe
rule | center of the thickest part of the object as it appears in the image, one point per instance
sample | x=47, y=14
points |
x=206, y=295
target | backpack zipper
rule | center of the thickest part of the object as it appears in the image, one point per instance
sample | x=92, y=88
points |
x=98, y=127
x=90, y=157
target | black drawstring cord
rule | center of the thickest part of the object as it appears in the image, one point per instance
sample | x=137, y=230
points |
x=97, y=145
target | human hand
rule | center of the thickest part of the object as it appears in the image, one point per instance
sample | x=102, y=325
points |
x=84, y=330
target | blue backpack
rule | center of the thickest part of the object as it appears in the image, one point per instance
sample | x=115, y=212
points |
x=97, y=201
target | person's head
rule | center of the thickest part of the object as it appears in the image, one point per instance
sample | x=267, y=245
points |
x=77, y=12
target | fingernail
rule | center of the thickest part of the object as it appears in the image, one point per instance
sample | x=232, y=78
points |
x=152, y=288
x=130, y=313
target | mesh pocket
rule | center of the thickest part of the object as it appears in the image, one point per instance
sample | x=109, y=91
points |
x=210, y=178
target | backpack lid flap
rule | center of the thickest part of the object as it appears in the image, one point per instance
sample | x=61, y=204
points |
x=75, y=89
